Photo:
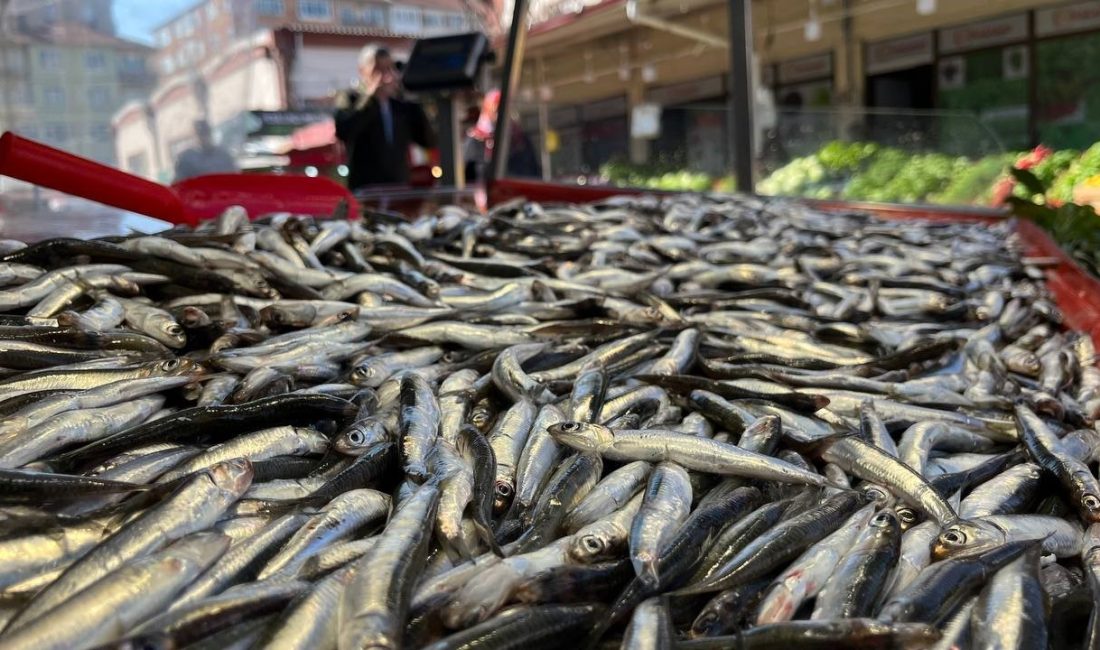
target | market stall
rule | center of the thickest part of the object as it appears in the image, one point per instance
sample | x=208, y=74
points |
x=579, y=416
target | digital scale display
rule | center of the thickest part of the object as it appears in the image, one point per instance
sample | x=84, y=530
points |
x=445, y=62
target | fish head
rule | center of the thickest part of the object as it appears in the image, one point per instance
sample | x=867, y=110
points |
x=481, y=415
x=367, y=374
x=877, y=494
x=966, y=537
x=287, y=315
x=906, y=516
x=176, y=367
x=583, y=436
x=234, y=475
x=886, y=523
x=361, y=436
x=590, y=547
x=173, y=333
x=1090, y=507
x=342, y=316
x=192, y=316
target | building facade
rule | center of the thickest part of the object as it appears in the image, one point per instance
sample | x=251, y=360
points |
x=63, y=83
x=965, y=76
x=245, y=62
x=206, y=29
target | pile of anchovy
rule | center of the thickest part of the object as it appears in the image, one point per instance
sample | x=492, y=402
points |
x=694, y=422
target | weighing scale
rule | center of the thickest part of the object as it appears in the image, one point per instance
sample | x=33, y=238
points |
x=445, y=68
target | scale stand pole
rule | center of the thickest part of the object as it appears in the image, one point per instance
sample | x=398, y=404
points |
x=450, y=141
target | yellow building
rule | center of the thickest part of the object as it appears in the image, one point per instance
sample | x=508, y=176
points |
x=967, y=76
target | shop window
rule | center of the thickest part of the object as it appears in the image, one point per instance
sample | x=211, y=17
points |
x=992, y=84
x=315, y=9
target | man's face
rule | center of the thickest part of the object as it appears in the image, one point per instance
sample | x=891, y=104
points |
x=381, y=78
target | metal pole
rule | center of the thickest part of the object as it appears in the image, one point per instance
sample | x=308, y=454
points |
x=741, y=93
x=451, y=108
x=513, y=62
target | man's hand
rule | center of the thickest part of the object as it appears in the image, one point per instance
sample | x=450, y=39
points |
x=350, y=98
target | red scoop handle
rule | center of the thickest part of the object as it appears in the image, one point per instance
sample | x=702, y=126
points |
x=43, y=165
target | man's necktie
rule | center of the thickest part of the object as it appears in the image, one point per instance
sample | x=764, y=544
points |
x=387, y=120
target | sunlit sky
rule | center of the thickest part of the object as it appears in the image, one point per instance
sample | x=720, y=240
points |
x=136, y=19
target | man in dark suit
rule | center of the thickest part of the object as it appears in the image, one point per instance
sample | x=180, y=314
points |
x=376, y=125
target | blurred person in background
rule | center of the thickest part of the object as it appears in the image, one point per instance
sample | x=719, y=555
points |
x=376, y=125
x=206, y=158
x=523, y=159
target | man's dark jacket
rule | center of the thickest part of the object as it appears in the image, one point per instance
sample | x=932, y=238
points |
x=371, y=160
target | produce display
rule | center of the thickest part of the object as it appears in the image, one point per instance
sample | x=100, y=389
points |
x=712, y=421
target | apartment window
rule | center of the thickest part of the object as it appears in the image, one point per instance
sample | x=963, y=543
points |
x=433, y=20
x=98, y=97
x=49, y=58
x=167, y=65
x=406, y=19
x=270, y=7
x=455, y=21
x=350, y=16
x=164, y=36
x=374, y=16
x=132, y=63
x=95, y=60
x=53, y=96
x=56, y=132
x=20, y=94
x=315, y=9
x=211, y=10
x=100, y=133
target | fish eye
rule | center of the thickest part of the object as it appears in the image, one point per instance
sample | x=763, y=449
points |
x=174, y=329
x=170, y=364
x=881, y=519
x=1091, y=502
x=592, y=544
x=954, y=537
x=356, y=438
x=569, y=426
x=907, y=516
x=503, y=490
x=345, y=315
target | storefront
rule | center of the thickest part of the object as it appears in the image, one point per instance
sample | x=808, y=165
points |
x=983, y=70
x=1067, y=93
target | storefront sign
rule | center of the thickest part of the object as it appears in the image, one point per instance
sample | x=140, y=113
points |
x=614, y=107
x=812, y=67
x=683, y=93
x=1076, y=17
x=899, y=53
x=989, y=33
